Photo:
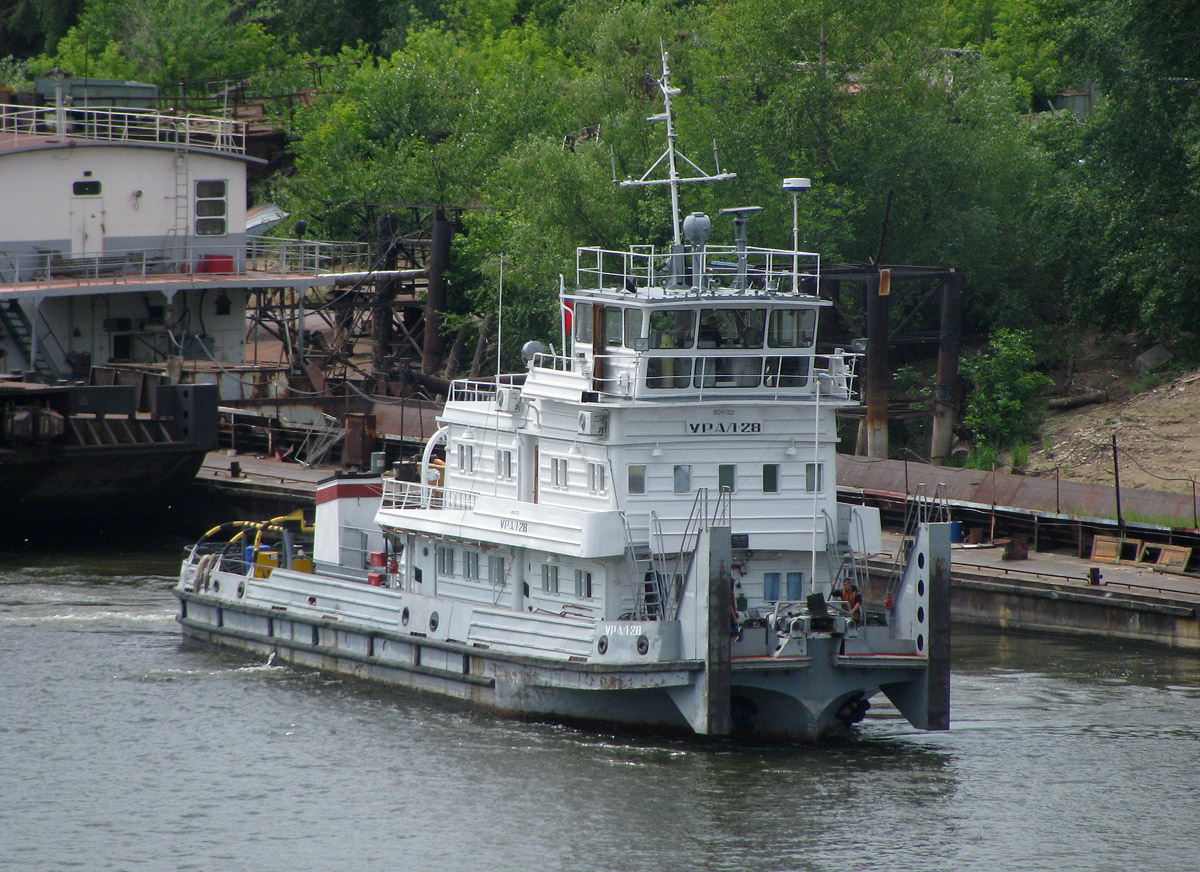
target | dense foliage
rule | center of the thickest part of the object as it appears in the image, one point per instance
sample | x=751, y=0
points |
x=520, y=110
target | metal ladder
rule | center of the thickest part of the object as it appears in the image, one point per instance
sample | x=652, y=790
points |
x=921, y=509
x=847, y=563
x=182, y=198
x=18, y=326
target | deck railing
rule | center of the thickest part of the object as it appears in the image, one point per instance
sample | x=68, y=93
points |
x=412, y=495
x=112, y=124
x=259, y=257
x=717, y=267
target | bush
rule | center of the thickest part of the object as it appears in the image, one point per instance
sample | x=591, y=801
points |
x=1004, y=392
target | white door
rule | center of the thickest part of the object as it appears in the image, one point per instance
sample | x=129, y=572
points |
x=87, y=226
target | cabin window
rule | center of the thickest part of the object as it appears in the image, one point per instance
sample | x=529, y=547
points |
x=731, y=328
x=672, y=329
x=633, y=326
x=210, y=208
x=814, y=477
x=504, y=464
x=583, y=584
x=496, y=569
x=445, y=560
x=770, y=478
x=795, y=586
x=558, y=472
x=549, y=578
x=597, y=480
x=471, y=565
x=792, y=328
x=787, y=372
x=683, y=478
x=726, y=476
x=771, y=586
x=668, y=372
x=353, y=547
x=86, y=189
x=637, y=479
x=466, y=458
x=581, y=318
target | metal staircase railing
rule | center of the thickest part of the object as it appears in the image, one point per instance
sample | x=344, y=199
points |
x=18, y=326
x=921, y=509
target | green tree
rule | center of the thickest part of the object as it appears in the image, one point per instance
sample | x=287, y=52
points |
x=1005, y=389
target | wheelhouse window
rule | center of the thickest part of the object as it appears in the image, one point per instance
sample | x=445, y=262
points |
x=210, y=207
x=581, y=319
x=668, y=372
x=675, y=329
x=787, y=372
x=728, y=372
x=731, y=328
x=770, y=478
x=636, y=479
x=614, y=321
x=792, y=328
x=633, y=326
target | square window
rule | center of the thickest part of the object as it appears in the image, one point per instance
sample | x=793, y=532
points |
x=683, y=478
x=637, y=479
x=726, y=476
x=770, y=478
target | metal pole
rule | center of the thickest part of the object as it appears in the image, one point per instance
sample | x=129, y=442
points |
x=1117, y=488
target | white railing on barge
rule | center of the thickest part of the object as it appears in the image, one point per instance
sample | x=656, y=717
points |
x=721, y=267
x=413, y=495
x=258, y=258
x=118, y=125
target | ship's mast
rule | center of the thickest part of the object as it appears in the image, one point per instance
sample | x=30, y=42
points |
x=672, y=156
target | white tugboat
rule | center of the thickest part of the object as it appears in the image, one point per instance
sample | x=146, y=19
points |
x=642, y=531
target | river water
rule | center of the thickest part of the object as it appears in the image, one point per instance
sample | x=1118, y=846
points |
x=121, y=749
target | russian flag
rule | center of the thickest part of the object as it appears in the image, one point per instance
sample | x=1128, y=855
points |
x=568, y=312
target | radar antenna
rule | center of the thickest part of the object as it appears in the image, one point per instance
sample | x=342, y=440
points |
x=672, y=155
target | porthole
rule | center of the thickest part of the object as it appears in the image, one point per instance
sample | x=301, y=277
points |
x=921, y=560
x=643, y=644
x=920, y=614
x=602, y=645
x=312, y=600
x=920, y=642
x=216, y=586
x=404, y=616
x=433, y=622
x=920, y=587
x=241, y=589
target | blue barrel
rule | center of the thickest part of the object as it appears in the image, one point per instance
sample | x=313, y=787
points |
x=956, y=531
